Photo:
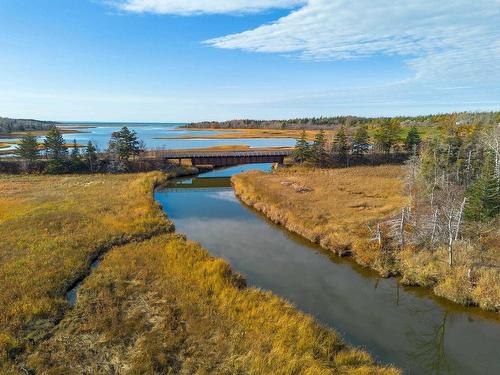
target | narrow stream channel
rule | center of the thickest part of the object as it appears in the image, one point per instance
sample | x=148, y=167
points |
x=408, y=327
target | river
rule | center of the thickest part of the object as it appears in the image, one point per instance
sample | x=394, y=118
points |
x=408, y=327
x=151, y=135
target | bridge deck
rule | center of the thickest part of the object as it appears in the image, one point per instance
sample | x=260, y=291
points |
x=223, y=154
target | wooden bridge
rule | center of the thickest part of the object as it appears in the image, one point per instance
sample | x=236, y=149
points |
x=227, y=158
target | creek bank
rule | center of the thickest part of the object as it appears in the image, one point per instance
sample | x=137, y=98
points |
x=277, y=197
x=171, y=296
x=69, y=222
x=94, y=260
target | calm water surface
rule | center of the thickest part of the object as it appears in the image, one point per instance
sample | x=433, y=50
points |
x=404, y=326
x=100, y=134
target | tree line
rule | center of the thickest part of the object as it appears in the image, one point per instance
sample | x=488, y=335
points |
x=446, y=236
x=8, y=125
x=64, y=158
x=452, y=179
x=345, y=144
x=349, y=122
x=454, y=186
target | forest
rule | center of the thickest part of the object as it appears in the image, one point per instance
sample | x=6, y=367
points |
x=442, y=233
x=8, y=125
x=328, y=123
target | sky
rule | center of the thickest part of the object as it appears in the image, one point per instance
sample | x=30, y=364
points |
x=194, y=60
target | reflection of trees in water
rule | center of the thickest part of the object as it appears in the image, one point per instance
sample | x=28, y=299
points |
x=427, y=341
x=391, y=289
x=429, y=348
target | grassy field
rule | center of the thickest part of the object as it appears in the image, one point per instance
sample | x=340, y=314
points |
x=4, y=145
x=247, y=133
x=51, y=228
x=156, y=303
x=339, y=209
x=167, y=306
x=425, y=132
x=332, y=207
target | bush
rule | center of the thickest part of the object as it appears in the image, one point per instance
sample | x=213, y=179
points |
x=420, y=267
x=56, y=166
x=487, y=289
x=455, y=286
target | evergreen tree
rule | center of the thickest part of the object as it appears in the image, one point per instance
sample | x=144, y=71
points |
x=413, y=140
x=28, y=147
x=387, y=134
x=484, y=194
x=361, y=141
x=302, y=149
x=54, y=144
x=340, y=146
x=454, y=144
x=76, y=162
x=318, y=148
x=90, y=156
x=75, y=153
x=124, y=144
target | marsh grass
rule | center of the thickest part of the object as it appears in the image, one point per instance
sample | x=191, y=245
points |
x=336, y=207
x=5, y=145
x=331, y=207
x=166, y=306
x=51, y=228
x=153, y=306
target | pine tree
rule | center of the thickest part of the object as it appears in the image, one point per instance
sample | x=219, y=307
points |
x=90, y=156
x=340, y=146
x=54, y=144
x=124, y=144
x=318, y=148
x=28, y=147
x=484, y=195
x=413, y=140
x=302, y=149
x=360, y=142
x=454, y=144
x=75, y=153
x=76, y=163
x=387, y=134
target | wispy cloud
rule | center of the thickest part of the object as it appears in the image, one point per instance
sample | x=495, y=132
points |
x=190, y=7
x=439, y=40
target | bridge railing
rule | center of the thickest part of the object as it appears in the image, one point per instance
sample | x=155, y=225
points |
x=225, y=154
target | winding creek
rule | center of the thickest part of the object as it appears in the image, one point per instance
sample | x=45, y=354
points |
x=408, y=327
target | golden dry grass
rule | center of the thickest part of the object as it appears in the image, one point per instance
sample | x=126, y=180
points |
x=5, y=145
x=425, y=132
x=166, y=306
x=336, y=212
x=51, y=228
x=343, y=203
x=162, y=305
x=40, y=133
x=248, y=133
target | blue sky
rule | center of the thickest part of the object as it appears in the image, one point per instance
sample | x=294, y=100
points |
x=190, y=60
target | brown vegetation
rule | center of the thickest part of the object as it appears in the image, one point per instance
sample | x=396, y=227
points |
x=353, y=210
x=245, y=133
x=167, y=306
x=51, y=229
x=332, y=207
x=161, y=305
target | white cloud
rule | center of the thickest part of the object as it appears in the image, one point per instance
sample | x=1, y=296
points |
x=440, y=40
x=189, y=7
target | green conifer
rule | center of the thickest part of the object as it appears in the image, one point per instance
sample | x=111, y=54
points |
x=302, y=149
x=413, y=140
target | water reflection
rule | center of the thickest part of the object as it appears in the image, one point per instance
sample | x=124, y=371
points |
x=409, y=327
x=430, y=348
